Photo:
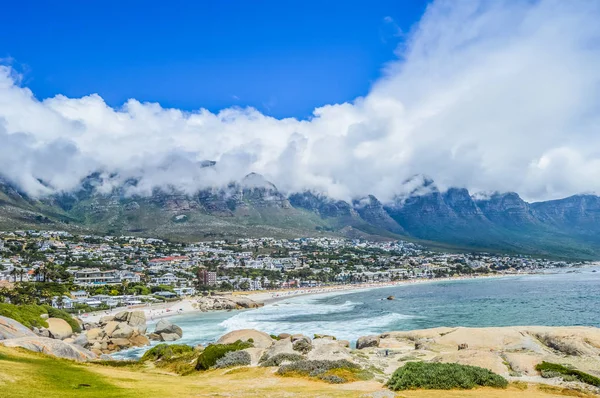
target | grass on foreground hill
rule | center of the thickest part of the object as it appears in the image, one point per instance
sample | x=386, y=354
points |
x=25, y=374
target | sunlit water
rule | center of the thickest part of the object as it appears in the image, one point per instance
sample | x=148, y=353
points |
x=554, y=300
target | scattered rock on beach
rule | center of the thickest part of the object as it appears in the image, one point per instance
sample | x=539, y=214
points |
x=164, y=326
x=259, y=339
x=367, y=341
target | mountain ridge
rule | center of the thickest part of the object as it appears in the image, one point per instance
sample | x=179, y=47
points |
x=568, y=227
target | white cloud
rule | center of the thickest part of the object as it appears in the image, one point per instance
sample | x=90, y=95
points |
x=488, y=95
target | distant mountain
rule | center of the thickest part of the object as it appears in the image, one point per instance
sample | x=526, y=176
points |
x=253, y=206
x=371, y=210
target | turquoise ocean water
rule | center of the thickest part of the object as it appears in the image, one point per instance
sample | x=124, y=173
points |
x=559, y=299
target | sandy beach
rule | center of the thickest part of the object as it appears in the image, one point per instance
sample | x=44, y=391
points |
x=185, y=306
x=270, y=296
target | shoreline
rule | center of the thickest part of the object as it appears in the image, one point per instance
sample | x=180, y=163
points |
x=272, y=296
x=185, y=306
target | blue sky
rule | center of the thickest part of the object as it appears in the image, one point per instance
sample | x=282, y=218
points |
x=284, y=58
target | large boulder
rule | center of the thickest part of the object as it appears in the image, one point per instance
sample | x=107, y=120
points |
x=283, y=346
x=81, y=340
x=164, y=326
x=169, y=336
x=110, y=327
x=11, y=329
x=107, y=318
x=367, y=341
x=95, y=334
x=121, y=316
x=139, y=341
x=124, y=331
x=326, y=349
x=260, y=339
x=59, y=328
x=57, y=348
x=296, y=337
x=136, y=318
x=121, y=342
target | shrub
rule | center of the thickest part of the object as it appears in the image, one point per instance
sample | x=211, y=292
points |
x=333, y=379
x=208, y=358
x=234, y=358
x=56, y=313
x=176, y=358
x=117, y=363
x=340, y=371
x=548, y=369
x=443, y=376
x=316, y=368
x=28, y=315
x=166, y=351
x=302, y=346
x=277, y=360
x=556, y=343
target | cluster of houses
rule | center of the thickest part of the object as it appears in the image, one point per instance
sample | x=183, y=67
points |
x=109, y=260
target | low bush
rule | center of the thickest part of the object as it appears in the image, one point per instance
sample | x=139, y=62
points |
x=333, y=379
x=302, y=346
x=208, y=358
x=176, y=358
x=339, y=371
x=443, y=376
x=117, y=364
x=166, y=351
x=277, y=360
x=234, y=358
x=548, y=369
x=28, y=315
x=558, y=344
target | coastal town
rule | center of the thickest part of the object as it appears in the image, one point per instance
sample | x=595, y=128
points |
x=86, y=272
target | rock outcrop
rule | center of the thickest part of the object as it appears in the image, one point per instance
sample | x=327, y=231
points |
x=114, y=333
x=367, y=341
x=57, y=348
x=166, y=331
x=512, y=351
x=213, y=303
x=11, y=329
x=328, y=349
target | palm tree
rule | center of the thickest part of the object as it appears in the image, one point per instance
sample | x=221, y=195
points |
x=14, y=272
x=60, y=301
x=37, y=272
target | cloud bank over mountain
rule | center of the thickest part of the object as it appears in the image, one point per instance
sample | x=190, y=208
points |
x=487, y=95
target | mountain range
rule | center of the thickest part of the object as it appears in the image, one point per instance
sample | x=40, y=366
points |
x=500, y=222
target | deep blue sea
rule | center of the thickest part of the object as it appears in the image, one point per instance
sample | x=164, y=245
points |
x=565, y=298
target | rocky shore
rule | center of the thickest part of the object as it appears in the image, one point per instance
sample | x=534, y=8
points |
x=511, y=352
x=110, y=333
